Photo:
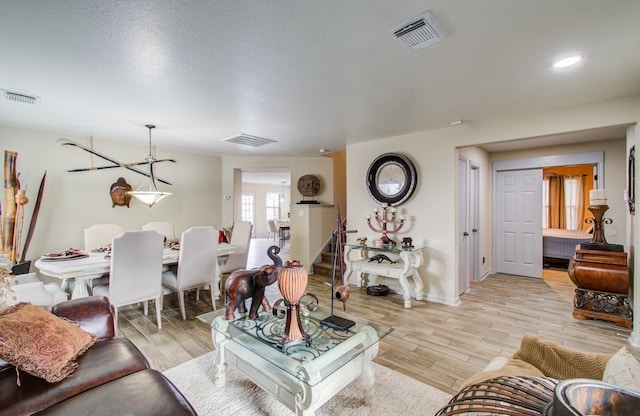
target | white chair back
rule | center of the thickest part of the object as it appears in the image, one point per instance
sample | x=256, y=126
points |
x=198, y=258
x=240, y=239
x=162, y=227
x=136, y=267
x=99, y=235
x=272, y=229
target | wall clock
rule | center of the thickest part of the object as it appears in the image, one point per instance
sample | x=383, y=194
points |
x=391, y=179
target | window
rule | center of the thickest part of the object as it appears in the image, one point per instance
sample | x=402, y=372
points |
x=249, y=207
x=273, y=206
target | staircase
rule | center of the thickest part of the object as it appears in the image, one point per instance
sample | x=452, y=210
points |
x=323, y=268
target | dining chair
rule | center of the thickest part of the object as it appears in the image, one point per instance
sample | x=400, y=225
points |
x=272, y=229
x=99, y=235
x=197, y=265
x=162, y=227
x=136, y=272
x=95, y=237
x=240, y=240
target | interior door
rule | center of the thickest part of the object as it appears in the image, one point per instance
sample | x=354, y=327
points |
x=463, y=226
x=518, y=219
x=474, y=221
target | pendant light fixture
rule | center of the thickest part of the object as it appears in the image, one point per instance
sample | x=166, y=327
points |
x=153, y=195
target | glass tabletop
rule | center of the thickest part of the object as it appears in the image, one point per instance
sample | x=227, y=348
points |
x=329, y=350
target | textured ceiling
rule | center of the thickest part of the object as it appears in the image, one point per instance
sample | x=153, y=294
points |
x=308, y=74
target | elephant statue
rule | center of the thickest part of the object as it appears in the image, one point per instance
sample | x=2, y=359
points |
x=244, y=284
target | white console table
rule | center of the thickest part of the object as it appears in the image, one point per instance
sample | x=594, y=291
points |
x=407, y=261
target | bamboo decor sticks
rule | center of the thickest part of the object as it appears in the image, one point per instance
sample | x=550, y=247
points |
x=11, y=186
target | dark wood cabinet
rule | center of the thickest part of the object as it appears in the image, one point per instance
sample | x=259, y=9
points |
x=602, y=280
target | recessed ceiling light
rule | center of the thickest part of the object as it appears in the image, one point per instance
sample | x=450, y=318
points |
x=568, y=61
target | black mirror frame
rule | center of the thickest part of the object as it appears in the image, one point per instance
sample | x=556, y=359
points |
x=409, y=185
x=631, y=181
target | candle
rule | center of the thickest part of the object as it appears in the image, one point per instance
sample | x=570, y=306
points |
x=598, y=197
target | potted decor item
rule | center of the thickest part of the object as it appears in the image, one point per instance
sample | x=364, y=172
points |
x=292, y=282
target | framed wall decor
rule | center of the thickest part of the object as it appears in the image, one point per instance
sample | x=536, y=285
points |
x=391, y=179
x=631, y=181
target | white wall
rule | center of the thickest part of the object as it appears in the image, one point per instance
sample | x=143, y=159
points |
x=320, y=166
x=74, y=201
x=431, y=211
x=260, y=190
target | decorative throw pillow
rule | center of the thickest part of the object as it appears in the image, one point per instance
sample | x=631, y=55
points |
x=623, y=370
x=560, y=362
x=40, y=343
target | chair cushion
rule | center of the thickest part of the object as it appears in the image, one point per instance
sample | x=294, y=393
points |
x=143, y=393
x=109, y=359
x=40, y=343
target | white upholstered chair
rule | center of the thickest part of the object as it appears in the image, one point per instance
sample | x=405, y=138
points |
x=29, y=288
x=272, y=229
x=197, y=265
x=162, y=227
x=136, y=271
x=99, y=235
x=240, y=240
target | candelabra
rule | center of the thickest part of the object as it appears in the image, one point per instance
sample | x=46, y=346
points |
x=385, y=219
x=598, y=222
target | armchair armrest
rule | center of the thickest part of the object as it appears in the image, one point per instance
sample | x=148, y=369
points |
x=93, y=314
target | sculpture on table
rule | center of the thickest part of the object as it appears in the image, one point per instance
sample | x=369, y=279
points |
x=244, y=284
x=292, y=283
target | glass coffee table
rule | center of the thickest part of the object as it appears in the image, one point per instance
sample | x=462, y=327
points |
x=301, y=377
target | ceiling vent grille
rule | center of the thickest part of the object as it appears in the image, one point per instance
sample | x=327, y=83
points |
x=419, y=32
x=20, y=98
x=248, y=140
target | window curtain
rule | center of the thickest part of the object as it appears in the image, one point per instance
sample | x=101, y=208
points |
x=556, y=214
x=566, y=209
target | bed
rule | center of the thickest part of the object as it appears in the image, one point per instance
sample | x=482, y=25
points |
x=558, y=244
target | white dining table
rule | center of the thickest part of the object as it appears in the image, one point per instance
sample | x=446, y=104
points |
x=97, y=264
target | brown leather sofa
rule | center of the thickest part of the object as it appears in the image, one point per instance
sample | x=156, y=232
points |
x=113, y=377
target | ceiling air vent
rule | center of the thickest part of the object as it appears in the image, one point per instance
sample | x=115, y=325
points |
x=419, y=32
x=20, y=98
x=248, y=140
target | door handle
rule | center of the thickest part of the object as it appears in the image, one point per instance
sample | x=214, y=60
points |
x=465, y=234
x=474, y=230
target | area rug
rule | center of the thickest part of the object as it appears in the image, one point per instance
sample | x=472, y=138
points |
x=395, y=393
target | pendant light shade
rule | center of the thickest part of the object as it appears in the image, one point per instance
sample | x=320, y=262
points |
x=149, y=195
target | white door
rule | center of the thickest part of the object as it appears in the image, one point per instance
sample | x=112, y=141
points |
x=518, y=220
x=463, y=226
x=474, y=221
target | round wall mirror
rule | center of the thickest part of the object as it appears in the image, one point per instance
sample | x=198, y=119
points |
x=391, y=179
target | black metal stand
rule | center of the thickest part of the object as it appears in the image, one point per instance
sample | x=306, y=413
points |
x=334, y=321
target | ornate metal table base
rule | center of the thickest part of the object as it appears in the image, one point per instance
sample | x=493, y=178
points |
x=594, y=304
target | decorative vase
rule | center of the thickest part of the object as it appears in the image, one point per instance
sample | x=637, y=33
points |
x=292, y=282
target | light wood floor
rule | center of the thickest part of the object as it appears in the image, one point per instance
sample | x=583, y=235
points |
x=437, y=344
